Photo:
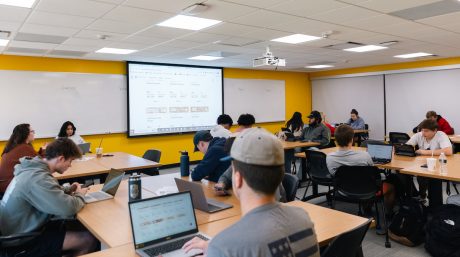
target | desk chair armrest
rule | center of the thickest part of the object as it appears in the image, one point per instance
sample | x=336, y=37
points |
x=19, y=236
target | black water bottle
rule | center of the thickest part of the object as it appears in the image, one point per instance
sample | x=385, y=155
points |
x=184, y=164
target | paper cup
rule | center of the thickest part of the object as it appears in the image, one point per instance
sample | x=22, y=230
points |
x=99, y=152
x=431, y=163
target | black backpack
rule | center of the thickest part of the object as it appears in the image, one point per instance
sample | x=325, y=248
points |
x=408, y=224
x=443, y=232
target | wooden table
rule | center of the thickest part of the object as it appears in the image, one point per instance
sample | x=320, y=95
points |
x=289, y=151
x=328, y=225
x=90, y=165
x=455, y=139
x=109, y=220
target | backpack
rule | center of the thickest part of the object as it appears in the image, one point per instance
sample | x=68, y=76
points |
x=443, y=232
x=408, y=224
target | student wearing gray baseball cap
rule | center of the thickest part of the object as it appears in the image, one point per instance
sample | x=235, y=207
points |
x=266, y=225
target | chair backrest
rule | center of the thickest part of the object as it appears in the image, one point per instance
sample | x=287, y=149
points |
x=371, y=141
x=366, y=126
x=317, y=164
x=358, y=182
x=347, y=244
x=398, y=138
x=290, y=183
x=153, y=155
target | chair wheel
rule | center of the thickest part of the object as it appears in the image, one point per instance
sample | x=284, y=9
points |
x=387, y=244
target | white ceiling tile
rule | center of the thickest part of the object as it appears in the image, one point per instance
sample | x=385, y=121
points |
x=164, y=32
x=116, y=26
x=265, y=34
x=124, y=45
x=136, y=16
x=442, y=19
x=183, y=44
x=171, y=6
x=375, y=21
x=48, y=30
x=34, y=45
x=204, y=37
x=110, y=1
x=406, y=27
x=157, y=51
x=77, y=48
x=9, y=26
x=86, y=42
x=306, y=8
x=61, y=20
x=231, y=29
x=264, y=19
x=387, y=6
x=257, y=3
x=95, y=34
x=223, y=11
x=84, y=8
x=346, y=14
x=144, y=40
x=13, y=14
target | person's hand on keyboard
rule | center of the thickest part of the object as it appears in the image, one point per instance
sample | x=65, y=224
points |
x=81, y=190
x=196, y=243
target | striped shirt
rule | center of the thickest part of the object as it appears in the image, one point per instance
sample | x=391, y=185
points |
x=271, y=230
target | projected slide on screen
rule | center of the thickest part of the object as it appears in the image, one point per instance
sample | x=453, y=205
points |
x=165, y=99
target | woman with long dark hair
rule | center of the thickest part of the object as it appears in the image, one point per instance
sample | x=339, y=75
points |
x=68, y=130
x=19, y=145
x=295, y=124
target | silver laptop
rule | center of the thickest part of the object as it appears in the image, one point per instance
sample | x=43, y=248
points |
x=109, y=189
x=162, y=225
x=199, y=199
x=84, y=147
x=380, y=153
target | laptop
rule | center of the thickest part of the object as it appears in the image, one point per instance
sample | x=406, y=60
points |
x=162, y=225
x=109, y=189
x=199, y=199
x=380, y=153
x=405, y=150
x=84, y=147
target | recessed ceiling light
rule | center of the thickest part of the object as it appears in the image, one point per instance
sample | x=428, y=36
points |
x=4, y=42
x=295, y=39
x=205, y=58
x=367, y=48
x=18, y=3
x=319, y=66
x=188, y=22
x=413, y=55
x=108, y=50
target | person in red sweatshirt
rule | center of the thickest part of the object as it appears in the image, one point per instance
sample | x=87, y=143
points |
x=443, y=124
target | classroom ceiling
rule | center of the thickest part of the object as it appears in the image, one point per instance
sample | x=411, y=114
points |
x=73, y=28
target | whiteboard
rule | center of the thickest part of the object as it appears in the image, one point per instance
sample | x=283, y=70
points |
x=335, y=97
x=265, y=99
x=410, y=95
x=95, y=103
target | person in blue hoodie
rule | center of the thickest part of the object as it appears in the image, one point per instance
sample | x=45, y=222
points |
x=210, y=168
x=34, y=197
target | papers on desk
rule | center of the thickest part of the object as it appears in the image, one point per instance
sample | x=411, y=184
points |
x=84, y=159
x=166, y=190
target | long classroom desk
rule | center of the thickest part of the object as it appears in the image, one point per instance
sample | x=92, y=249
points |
x=328, y=225
x=289, y=147
x=412, y=166
x=90, y=165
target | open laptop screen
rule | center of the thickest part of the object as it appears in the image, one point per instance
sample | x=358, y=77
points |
x=162, y=218
x=380, y=151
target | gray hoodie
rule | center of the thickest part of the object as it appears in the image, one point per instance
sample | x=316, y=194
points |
x=33, y=197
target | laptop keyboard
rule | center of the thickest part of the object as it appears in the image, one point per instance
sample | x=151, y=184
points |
x=176, y=245
x=99, y=196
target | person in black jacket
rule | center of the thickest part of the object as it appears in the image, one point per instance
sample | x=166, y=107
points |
x=210, y=168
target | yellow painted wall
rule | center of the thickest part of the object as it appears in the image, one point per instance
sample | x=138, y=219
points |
x=298, y=98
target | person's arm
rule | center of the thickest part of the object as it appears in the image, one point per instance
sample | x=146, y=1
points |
x=226, y=178
x=360, y=124
x=206, y=166
x=446, y=151
x=325, y=136
x=413, y=140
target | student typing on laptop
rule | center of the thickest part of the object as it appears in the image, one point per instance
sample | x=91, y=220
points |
x=258, y=168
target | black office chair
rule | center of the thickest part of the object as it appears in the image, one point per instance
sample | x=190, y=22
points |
x=361, y=184
x=152, y=155
x=398, y=138
x=348, y=244
x=290, y=183
x=3, y=239
x=371, y=141
x=318, y=172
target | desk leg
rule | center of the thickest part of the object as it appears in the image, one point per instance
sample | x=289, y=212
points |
x=288, y=157
x=435, y=192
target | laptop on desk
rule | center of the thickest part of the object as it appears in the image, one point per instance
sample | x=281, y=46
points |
x=109, y=189
x=162, y=225
x=380, y=153
x=199, y=199
x=84, y=148
x=405, y=150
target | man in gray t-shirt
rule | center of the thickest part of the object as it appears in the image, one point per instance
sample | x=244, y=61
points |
x=267, y=228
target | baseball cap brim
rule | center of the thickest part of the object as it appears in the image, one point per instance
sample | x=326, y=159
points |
x=226, y=159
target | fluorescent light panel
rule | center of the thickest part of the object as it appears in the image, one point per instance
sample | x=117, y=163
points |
x=18, y=3
x=188, y=22
x=367, y=48
x=413, y=55
x=205, y=58
x=4, y=42
x=295, y=39
x=319, y=66
x=108, y=50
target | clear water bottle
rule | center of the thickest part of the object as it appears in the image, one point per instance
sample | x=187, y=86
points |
x=443, y=163
x=184, y=164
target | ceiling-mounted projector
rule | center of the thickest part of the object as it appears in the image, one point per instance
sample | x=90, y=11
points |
x=268, y=60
